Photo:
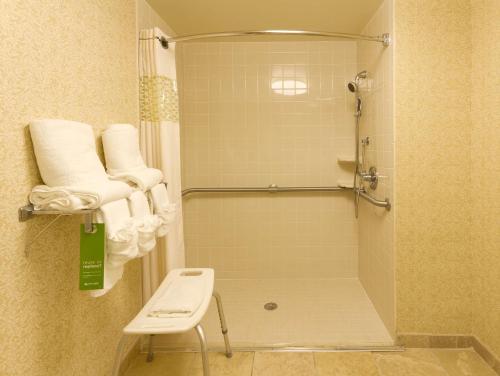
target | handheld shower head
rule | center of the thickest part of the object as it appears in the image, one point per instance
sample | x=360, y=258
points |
x=362, y=74
x=352, y=86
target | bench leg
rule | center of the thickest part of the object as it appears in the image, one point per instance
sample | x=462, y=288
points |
x=222, y=318
x=151, y=354
x=119, y=354
x=203, y=346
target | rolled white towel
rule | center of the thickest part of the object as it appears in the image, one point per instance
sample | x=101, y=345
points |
x=121, y=242
x=44, y=197
x=165, y=210
x=123, y=157
x=112, y=274
x=121, y=232
x=66, y=154
x=146, y=223
x=181, y=299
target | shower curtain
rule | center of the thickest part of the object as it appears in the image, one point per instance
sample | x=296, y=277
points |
x=160, y=146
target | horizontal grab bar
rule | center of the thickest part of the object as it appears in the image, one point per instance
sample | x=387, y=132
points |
x=273, y=188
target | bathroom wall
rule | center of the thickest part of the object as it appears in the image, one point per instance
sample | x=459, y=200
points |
x=74, y=60
x=376, y=225
x=433, y=164
x=242, y=127
x=485, y=172
x=147, y=18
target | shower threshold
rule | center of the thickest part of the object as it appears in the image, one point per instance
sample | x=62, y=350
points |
x=310, y=315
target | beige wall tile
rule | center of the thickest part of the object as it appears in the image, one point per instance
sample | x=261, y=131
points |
x=245, y=133
x=376, y=225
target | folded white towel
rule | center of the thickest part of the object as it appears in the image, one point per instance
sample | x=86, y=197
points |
x=144, y=179
x=165, y=210
x=66, y=154
x=44, y=197
x=181, y=299
x=68, y=163
x=121, y=232
x=123, y=157
x=146, y=223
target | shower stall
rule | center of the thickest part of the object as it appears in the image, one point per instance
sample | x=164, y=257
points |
x=287, y=160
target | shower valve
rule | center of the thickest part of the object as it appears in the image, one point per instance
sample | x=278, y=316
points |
x=371, y=177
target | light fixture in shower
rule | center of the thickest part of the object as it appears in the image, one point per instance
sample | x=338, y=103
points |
x=289, y=87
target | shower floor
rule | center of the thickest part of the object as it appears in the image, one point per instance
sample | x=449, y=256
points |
x=310, y=313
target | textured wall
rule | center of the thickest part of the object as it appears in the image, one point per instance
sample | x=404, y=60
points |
x=239, y=131
x=486, y=171
x=376, y=225
x=433, y=214
x=75, y=60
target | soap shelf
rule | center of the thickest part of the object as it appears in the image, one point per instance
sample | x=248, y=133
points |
x=345, y=184
x=346, y=159
x=28, y=211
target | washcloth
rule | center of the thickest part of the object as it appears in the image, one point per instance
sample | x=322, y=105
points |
x=146, y=223
x=165, y=210
x=44, y=197
x=181, y=299
x=123, y=157
x=73, y=173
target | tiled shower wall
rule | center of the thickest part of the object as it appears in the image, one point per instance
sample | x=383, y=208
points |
x=376, y=225
x=255, y=114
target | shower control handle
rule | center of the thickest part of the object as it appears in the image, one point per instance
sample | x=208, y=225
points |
x=371, y=177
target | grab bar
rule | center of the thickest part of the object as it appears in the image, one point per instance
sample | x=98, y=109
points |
x=273, y=188
x=383, y=204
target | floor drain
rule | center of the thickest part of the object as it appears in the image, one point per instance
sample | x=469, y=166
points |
x=271, y=306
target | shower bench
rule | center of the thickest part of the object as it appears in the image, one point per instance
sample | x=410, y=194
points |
x=143, y=324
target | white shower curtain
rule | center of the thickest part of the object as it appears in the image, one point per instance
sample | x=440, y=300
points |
x=160, y=146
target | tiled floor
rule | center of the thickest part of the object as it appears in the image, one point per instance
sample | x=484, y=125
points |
x=413, y=362
x=311, y=312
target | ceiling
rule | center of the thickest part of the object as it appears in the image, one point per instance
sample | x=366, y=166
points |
x=204, y=16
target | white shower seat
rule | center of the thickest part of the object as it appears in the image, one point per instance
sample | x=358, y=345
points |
x=142, y=324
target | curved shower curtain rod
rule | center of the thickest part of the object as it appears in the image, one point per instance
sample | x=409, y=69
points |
x=385, y=38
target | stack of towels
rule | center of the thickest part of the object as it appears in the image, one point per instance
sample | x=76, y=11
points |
x=131, y=198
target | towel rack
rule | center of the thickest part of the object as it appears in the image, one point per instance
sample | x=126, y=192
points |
x=28, y=211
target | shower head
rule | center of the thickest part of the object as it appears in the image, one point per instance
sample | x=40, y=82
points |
x=352, y=86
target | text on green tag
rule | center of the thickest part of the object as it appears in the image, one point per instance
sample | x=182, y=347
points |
x=92, y=257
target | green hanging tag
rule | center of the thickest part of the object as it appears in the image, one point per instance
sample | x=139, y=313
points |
x=92, y=257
